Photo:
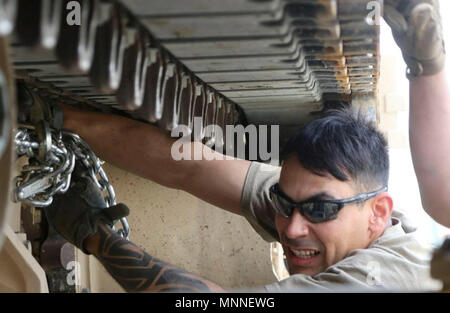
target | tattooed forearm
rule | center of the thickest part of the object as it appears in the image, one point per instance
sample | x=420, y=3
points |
x=136, y=271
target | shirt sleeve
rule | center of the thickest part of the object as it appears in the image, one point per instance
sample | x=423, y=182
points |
x=256, y=204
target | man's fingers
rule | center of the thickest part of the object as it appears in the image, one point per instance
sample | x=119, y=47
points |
x=395, y=19
x=425, y=19
x=117, y=211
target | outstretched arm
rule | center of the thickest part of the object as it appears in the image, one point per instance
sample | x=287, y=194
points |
x=137, y=271
x=145, y=150
x=416, y=27
x=430, y=142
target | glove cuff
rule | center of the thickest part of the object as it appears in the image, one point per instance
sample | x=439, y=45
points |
x=88, y=224
x=416, y=68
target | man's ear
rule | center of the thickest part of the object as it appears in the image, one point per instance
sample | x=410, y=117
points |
x=381, y=210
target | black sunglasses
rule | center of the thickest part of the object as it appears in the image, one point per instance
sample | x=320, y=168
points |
x=316, y=211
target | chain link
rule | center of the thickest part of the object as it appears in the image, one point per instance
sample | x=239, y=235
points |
x=50, y=167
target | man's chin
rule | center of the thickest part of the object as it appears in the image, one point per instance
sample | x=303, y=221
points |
x=310, y=271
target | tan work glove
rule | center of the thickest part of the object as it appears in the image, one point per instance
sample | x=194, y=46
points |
x=417, y=29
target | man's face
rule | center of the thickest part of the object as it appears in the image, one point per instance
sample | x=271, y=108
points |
x=311, y=248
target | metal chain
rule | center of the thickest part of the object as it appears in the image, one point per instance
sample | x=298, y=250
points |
x=96, y=172
x=44, y=175
x=51, y=163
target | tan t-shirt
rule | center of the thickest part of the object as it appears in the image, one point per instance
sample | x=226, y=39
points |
x=395, y=261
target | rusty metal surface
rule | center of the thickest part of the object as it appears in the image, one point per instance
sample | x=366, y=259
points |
x=270, y=51
x=31, y=219
x=56, y=254
x=252, y=54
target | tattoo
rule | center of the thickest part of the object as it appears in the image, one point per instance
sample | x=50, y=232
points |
x=136, y=271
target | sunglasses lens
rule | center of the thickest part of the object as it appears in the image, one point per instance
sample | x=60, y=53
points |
x=283, y=207
x=318, y=212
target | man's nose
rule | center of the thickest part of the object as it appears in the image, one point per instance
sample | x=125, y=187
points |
x=298, y=226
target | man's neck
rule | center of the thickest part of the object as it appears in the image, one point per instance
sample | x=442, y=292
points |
x=389, y=223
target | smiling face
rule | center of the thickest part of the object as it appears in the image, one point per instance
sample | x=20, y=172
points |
x=311, y=248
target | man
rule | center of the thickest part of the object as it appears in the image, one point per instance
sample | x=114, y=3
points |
x=327, y=205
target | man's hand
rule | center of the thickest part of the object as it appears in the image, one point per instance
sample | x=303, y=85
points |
x=75, y=214
x=416, y=27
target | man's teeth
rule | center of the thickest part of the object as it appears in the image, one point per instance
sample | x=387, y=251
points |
x=304, y=253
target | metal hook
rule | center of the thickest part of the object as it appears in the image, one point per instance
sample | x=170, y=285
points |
x=198, y=111
x=110, y=45
x=151, y=109
x=76, y=44
x=169, y=96
x=39, y=22
x=186, y=100
x=210, y=118
x=130, y=95
x=8, y=13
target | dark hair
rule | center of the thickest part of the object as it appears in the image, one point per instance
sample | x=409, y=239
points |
x=345, y=144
